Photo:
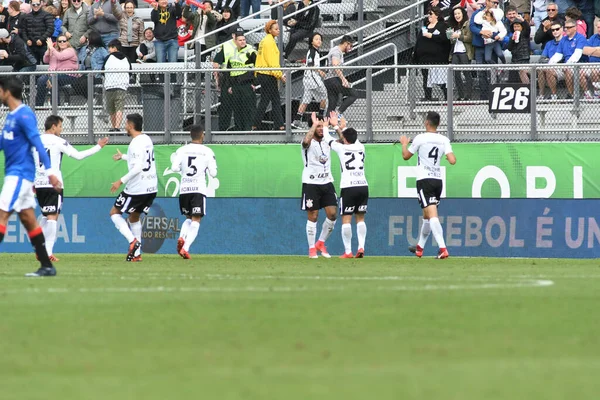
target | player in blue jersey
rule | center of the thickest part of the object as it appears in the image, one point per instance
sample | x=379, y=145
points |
x=19, y=136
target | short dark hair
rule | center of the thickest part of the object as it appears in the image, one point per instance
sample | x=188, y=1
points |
x=433, y=119
x=52, y=120
x=196, y=131
x=12, y=85
x=346, y=39
x=115, y=43
x=95, y=40
x=350, y=135
x=137, y=121
x=510, y=7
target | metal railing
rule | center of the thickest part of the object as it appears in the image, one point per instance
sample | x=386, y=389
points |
x=386, y=109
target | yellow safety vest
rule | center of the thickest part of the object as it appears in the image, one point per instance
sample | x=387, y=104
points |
x=239, y=58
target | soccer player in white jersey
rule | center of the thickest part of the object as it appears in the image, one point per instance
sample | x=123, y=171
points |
x=193, y=161
x=141, y=185
x=354, y=196
x=49, y=199
x=431, y=147
x=317, y=189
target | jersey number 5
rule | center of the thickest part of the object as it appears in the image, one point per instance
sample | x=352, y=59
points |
x=149, y=160
x=193, y=169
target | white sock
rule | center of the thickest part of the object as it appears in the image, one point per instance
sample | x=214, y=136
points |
x=361, y=232
x=347, y=238
x=184, y=228
x=136, y=229
x=122, y=227
x=43, y=222
x=191, y=235
x=328, y=226
x=425, y=231
x=50, y=235
x=438, y=232
x=311, y=233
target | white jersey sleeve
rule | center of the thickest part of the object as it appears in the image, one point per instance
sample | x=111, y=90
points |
x=55, y=147
x=430, y=148
x=141, y=178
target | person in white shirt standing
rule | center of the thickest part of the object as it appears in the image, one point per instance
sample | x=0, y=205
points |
x=354, y=196
x=317, y=189
x=141, y=185
x=193, y=161
x=49, y=199
x=431, y=147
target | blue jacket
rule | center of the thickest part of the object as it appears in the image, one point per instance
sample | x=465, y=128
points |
x=98, y=57
x=476, y=29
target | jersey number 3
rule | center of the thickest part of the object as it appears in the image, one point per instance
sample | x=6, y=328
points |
x=149, y=160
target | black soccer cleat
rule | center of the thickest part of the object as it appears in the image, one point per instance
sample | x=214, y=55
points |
x=133, y=247
x=43, y=271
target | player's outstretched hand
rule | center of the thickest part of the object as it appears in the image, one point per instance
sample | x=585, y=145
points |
x=55, y=182
x=102, y=142
x=404, y=140
x=115, y=186
x=117, y=156
x=313, y=117
x=333, y=118
x=343, y=123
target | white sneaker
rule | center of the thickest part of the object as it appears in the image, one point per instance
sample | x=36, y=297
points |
x=553, y=97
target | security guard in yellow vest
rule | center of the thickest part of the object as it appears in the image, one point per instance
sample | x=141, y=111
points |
x=225, y=110
x=241, y=83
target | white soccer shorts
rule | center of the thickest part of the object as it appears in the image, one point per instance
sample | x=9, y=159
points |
x=17, y=194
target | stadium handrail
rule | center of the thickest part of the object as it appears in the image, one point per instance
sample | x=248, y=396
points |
x=381, y=71
x=379, y=21
x=257, y=29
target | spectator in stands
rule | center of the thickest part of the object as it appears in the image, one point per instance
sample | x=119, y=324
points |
x=61, y=57
x=523, y=7
x=570, y=50
x=3, y=16
x=91, y=57
x=204, y=21
x=597, y=15
x=227, y=21
x=446, y=6
x=302, y=25
x=185, y=31
x=135, y=2
x=232, y=5
x=510, y=15
x=314, y=87
x=245, y=7
x=63, y=6
x=146, y=51
x=75, y=24
x=165, y=17
x=550, y=75
x=592, y=49
x=576, y=15
x=335, y=81
x=539, y=12
x=268, y=57
x=241, y=83
x=39, y=26
x=132, y=31
x=15, y=52
x=462, y=51
x=433, y=47
x=16, y=19
x=57, y=21
x=518, y=45
x=493, y=44
x=116, y=83
x=479, y=34
x=225, y=110
x=103, y=17
x=544, y=34
x=25, y=8
x=288, y=7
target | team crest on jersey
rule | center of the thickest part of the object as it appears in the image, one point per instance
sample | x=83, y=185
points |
x=309, y=203
x=323, y=159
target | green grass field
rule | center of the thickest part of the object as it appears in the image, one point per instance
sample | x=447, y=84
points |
x=264, y=327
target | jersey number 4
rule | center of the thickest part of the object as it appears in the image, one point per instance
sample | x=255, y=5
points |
x=434, y=154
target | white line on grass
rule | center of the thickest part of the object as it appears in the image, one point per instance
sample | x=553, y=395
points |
x=276, y=289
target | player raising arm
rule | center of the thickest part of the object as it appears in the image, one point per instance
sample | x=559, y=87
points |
x=141, y=185
x=354, y=194
x=50, y=200
x=431, y=147
x=193, y=161
x=317, y=189
x=19, y=135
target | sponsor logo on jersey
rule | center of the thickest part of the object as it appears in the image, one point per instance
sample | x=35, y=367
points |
x=323, y=159
x=362, y=208
x=349, y=209
x=8, y=135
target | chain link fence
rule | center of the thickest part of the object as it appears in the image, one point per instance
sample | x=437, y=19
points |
x=506, y=102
